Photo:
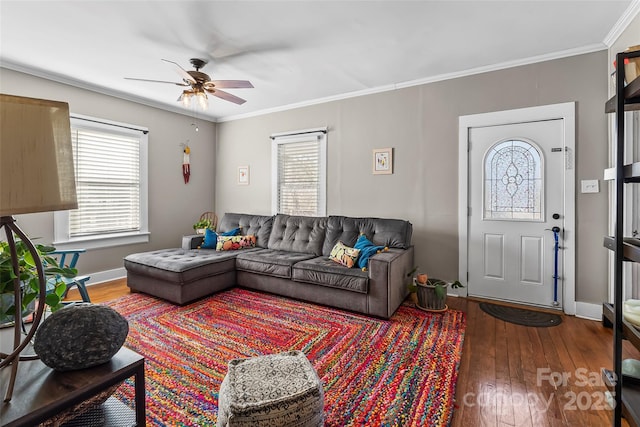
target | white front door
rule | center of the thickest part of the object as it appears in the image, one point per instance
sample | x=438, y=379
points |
x=516, y=197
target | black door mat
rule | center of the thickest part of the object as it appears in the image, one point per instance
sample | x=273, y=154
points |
x=519, y=316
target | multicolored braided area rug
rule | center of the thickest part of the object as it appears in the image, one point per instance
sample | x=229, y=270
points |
x=400, y=372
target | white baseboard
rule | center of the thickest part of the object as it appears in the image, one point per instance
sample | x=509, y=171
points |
x=106, y=276
x=589, y=311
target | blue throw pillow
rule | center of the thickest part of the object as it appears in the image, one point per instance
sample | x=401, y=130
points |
x=233, y=232
x=211, y=237
x=367, y=249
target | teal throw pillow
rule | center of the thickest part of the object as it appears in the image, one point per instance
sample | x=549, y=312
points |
x=233, y=232
x=211, y=237
x=367, y=249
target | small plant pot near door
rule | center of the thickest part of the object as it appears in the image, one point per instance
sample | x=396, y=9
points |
x=432, y=295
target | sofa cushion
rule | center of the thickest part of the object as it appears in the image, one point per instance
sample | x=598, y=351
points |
x=344, y=255
x=325, y=272
x=270, y=261
x=257, y=225
x=303, y=234
x=392, y=233
x=180, y=266
x=234, y=243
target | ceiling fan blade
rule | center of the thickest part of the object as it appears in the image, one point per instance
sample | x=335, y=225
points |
x=230, y=84
x=156, y=81
x=226, y=96
x=181, y=71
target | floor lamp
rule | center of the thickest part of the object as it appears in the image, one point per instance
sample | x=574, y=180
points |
x=36, y=175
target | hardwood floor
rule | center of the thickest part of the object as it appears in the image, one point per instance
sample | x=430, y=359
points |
x=102, y=292
x=513, y=375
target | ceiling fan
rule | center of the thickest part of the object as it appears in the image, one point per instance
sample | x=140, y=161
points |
x=200, y=84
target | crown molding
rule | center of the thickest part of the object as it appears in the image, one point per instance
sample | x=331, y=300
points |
x=622, y=24
x=448, y=76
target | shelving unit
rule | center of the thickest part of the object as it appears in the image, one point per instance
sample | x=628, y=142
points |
x=626, y=249
x=630, y=247
x=631, y=96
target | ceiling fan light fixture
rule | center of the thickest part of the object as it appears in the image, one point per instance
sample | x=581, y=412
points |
x=185, y=98
x=202, y=99
x=188, y=94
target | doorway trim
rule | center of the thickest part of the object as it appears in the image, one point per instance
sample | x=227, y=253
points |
x=565, y=112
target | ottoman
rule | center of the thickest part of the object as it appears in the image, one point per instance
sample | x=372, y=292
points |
x=179, y=275
x=275, y=390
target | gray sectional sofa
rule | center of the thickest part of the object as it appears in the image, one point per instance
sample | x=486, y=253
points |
x=291, y=258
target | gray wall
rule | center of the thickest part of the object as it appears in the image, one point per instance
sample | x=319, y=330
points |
x=173, y=206
x=421, y=124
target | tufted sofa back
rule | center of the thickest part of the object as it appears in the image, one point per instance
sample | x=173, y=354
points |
x=318, y=235
x=393, y=233
x=259, y=226
x=298, y=234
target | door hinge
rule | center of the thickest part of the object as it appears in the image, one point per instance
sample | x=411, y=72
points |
x=467, y=277
x=468, y=210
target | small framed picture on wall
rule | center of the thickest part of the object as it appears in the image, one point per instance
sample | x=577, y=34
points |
x=382, y=161
x=243, y=175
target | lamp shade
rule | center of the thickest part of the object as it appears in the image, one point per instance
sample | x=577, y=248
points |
x=36, y=156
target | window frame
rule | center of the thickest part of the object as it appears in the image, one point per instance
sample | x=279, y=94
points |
x=62, y=239
x=308, y=135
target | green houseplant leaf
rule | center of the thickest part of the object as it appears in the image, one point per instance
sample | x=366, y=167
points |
x=28, y=275
x=201, y=224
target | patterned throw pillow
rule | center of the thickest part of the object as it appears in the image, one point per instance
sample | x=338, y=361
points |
x=344, y=255
x=232, y=243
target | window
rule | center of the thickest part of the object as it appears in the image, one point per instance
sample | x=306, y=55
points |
x=299, y=173
x=111, y=184
x=513, y=182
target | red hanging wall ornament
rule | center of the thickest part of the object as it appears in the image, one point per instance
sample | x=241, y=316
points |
x=186, y=167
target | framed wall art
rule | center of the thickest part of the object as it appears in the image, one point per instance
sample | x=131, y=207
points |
x=382, y=161
x=243, y=175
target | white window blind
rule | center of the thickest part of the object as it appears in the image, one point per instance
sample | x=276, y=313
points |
x=107, y=183
x=111, y=185
x=300, y=174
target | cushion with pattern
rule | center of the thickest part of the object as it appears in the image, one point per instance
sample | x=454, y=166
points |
x=234, y=243
x=343, y=254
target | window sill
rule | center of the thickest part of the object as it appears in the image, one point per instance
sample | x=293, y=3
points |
x=105, y=241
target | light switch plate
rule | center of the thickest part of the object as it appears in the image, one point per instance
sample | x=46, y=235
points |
x=590, y=186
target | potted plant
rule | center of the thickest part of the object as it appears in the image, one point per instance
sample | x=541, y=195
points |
x=56, y=288
x=202, y=225
x=429, y=294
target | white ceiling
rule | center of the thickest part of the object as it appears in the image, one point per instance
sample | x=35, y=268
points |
x=294, y=52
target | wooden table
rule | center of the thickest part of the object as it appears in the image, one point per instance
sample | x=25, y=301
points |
x=40, y=392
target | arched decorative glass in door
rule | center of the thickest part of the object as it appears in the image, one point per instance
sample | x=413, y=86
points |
x=513, y=182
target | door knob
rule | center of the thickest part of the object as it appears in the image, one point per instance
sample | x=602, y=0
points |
x=556, y=229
